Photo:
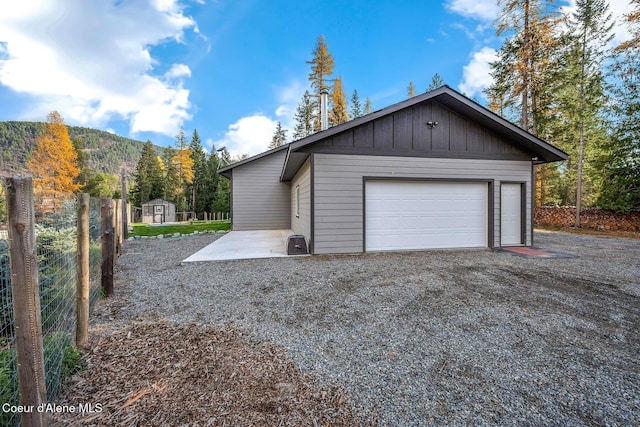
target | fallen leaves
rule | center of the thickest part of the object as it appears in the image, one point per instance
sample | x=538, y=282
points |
x=166, y=374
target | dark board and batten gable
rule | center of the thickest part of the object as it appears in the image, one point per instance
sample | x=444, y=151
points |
x=407, y=133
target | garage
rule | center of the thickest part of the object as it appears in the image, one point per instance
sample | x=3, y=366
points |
x=414, y=215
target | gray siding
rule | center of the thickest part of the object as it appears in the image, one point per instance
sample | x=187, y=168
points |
x=406, y=133
x=260, y=201
x=301, y=224
x=338, y=191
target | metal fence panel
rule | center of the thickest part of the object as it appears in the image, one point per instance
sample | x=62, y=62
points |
x=56, y=236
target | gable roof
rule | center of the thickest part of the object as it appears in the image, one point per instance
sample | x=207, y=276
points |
x=543, y=151
x=226, y=171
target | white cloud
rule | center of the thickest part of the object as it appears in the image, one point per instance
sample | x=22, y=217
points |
x=283, y=111
x=177, y=71
x=479, y=9
x=475, y=75
x=92, y=61
x=288, y=98
x=250, y=135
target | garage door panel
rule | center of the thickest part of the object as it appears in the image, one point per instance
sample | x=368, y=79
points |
x=409, y=215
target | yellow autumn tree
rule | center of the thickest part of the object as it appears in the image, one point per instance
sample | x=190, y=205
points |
x=338, y=112
x=180, y=173
x=54, y=163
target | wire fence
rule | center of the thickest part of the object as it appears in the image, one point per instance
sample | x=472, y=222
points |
x=56, y=242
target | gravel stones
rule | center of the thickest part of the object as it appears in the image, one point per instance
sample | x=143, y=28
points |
x=456, y=337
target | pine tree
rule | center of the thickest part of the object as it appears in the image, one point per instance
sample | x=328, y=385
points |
x=304, y=117
x=322, y=66
x=148, y=177
x=223, y=196
x=621, y=164
x=199, y=159
x=368, y=107
x=356, y=108
x=103, y=185
x=54, y=162
x=86, y=173
x=211, y=179
x=524, y=76
x=590, y=32
x=411, y=90
x=172, y=187
x=524, y=58
x=223, y=188
x=279, y=137
x=436, y=82
x=338, y=111
x=183, y=164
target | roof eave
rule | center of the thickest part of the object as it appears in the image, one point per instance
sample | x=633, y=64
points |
x=226, y=171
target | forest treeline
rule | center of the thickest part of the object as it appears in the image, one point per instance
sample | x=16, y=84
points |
x=64, y=160
x=558, y=75
x=104, y=152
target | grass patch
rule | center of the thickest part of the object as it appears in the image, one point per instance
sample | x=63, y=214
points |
x=155, y=230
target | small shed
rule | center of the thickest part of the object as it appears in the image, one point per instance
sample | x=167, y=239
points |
x=158, y=211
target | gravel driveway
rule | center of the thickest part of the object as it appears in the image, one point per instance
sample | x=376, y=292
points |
x=465, y=337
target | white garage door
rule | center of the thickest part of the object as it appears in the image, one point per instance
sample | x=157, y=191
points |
x=407, y=215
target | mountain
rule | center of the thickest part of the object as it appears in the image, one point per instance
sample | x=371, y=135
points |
x=105, y=152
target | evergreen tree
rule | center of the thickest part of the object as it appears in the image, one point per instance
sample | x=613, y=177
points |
x=103, y=185
x=223, y=189
x=411, y=90
x=527, y=84
x=172, y=188
x=436, y=82
x=211, y=179
x=524, y=58
x=183, y=164
x=54, y=163
x=148, y=177
x=356, y=108
x=621, y=164
x=198, y=187
x=304, y=117
x=279, y=137
x=368, y=107
x=338, y=111
x=590, y=30
x=86, y=173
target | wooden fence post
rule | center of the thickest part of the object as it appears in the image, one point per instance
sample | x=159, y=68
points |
x=117, y=226
x=82, y=284
x=106, y=215
x=125, y=218
x=26, y=300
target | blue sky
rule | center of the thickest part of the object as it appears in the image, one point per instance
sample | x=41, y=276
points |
x=230, y=68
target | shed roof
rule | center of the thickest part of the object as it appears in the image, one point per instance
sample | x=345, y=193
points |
x=158, y=202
